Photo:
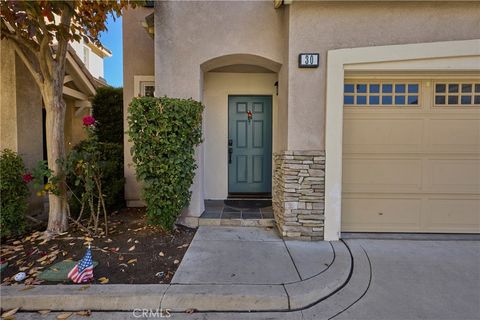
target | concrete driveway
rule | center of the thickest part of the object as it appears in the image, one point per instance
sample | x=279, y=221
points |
x=420, y=280
x=400, y=280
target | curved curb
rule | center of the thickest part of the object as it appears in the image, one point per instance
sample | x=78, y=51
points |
x=261, y=298
x=357, y=287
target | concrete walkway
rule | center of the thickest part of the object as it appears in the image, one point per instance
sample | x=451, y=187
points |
x=229, y=255
x=388, y=279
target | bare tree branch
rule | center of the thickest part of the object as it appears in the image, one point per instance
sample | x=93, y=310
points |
x=45, y=58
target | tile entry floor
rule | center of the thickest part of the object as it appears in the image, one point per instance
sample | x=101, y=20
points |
x=217, y=209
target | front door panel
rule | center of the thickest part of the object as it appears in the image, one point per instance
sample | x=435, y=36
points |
x=250, y=144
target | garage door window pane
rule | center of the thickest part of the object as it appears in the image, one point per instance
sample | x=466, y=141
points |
x=413, y=88
x=412, y=99
x=387, y=88
x=361, y=99
x=466, y=99
x=348, y=99
x=361, y=88
x=477, y=100
x=440, y=88
x=374, y=88
x=477, y=87
x=400, y=100
x=400, y=88
x=466, y=88
x=387, y=100
x=375, y=100
x=453, y=88
x=452, y=99
x=440, y=100
x=349, y=88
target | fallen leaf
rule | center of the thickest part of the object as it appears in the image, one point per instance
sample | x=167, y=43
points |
x=136, y=241
x=85, y=313
x=83, y=288
x=129, y=240
x=176, y=261
x=64, y=316
x=44, y=312
x=161, y=254
x=103, y=280
x=120, y=258
x=88, y=239
x=132, y=261
x=9, y=313
x=131, y=248
x=108, y=240
x=183, y=246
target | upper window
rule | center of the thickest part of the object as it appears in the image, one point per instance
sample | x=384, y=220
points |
x=381, y=93
x=147, y=89
x=457, y=94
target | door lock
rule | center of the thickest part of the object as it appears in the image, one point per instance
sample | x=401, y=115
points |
x=230, y=150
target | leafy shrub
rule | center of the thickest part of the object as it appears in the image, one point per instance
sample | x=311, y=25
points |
x=13, y=193
x=108, y=112
x=165, y=132
x=111, y=157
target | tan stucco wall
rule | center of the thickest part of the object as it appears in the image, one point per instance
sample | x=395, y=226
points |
x=20, y=113
x=138, y=59
x=319, y=27
x=29, y=116
x=216, y=90
x=74, y=131
x=8, y=114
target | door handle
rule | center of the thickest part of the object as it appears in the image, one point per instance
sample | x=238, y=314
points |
x=230, y=150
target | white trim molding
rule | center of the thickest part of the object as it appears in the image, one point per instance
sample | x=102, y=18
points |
x=138, y=80
x=447, y=56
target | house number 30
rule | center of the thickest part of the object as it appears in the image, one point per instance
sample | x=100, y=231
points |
x=308, y=60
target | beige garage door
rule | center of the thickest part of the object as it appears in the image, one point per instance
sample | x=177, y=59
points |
x=411, y=155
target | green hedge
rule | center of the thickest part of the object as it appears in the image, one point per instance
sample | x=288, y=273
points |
x=165, y=132
x=13, y=194
x=108, y=113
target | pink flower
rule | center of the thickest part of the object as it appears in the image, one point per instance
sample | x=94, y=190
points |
x=88, y=121
x=27, y=177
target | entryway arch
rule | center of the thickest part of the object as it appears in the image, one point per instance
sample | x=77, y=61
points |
x=236, y=75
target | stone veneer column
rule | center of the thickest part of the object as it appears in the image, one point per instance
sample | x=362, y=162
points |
x=298, y=196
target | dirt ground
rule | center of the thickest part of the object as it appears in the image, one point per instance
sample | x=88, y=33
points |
x=133, y=252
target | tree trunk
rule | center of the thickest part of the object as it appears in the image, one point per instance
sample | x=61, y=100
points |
x=55, y=107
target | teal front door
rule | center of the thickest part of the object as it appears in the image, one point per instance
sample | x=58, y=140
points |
x=249, y=144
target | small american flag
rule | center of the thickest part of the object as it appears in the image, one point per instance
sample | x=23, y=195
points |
x=83, y=270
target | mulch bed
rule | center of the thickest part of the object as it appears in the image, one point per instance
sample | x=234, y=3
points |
x=133, y=252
